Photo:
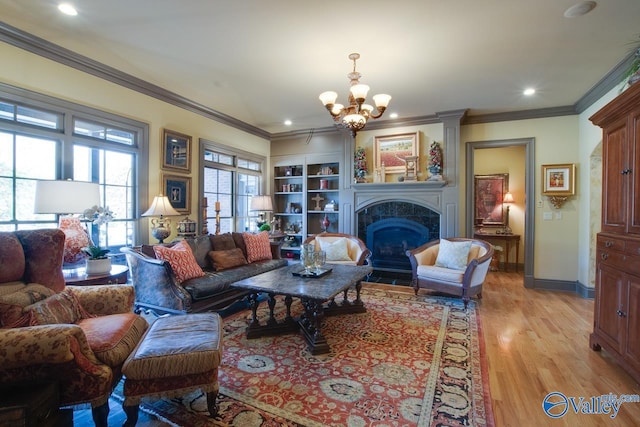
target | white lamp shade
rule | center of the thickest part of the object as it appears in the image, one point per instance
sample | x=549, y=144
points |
x=359, y=91
x=381, y=100
x=65, y=197
x=261, y=203
x=161, y=206
x=328, y=97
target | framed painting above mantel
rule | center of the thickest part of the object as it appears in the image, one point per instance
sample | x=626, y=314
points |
x=489, y=191
x=392, y=150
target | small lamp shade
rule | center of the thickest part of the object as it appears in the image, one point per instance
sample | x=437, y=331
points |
x=261, y=203
x=65, y=197
x=161, y=227
x=508, y=198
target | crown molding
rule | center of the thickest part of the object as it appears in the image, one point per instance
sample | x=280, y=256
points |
x=44, y=48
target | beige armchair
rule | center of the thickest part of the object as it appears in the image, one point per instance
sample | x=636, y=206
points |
x=465, y=282
x=356, y=250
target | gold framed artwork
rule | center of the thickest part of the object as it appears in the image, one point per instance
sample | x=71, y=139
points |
x=559, y=180
x=176, y=151
x=178, y=190
x=489, y=191
x=392, y=150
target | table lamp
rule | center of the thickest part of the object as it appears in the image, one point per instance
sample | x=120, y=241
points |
x=262, y=204
x=66, y=198
x=161, y=227
x=507, y=200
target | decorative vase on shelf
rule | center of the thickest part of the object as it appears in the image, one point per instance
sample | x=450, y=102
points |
x=325, y=223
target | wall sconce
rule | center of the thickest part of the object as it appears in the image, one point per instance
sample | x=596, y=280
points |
x=507, y=200
x=161, y=227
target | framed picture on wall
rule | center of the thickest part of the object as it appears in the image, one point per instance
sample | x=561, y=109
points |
x=489, y=190
x=176, y=151
x=393, y=149
x=178, y=190
x=559, y=180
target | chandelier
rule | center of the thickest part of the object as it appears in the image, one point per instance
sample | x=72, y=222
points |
x=354, y=117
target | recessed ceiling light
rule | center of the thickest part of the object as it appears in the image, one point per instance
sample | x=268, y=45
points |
x=287, y=122
x=67, y=9
x=580, y=9
x=393, y=115
x=529, y=91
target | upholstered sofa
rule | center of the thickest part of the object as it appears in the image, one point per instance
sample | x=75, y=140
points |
x=75, y=337
x=160, y=290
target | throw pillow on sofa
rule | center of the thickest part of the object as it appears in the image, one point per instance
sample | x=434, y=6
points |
x=225, y=259
x=57, y=309
x=222, y=242
x=453, y=255
x=258, y=246
x=181, y=259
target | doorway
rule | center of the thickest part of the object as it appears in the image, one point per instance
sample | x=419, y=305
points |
x=529, y=186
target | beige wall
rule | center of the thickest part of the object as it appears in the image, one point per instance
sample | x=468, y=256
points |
x=556, y=140
x=29, y=71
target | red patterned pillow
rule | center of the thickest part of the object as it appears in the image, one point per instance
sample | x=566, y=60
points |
x=181, y=259
x=76, y=238
x=258, y=246
x=59, y=308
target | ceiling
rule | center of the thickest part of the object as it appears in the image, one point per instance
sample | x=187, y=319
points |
x=266, y=61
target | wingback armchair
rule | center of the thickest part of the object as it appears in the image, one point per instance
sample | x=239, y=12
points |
x=464, y=280
x=76, y=337
x=355, y=252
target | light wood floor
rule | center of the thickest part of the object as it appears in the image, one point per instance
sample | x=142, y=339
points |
x=537, y=342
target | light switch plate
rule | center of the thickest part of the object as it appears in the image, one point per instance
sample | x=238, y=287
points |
x=547, y=216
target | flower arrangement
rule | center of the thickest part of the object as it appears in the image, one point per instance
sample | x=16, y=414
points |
x=435, y=159
x=360, y=163
x=98, y=215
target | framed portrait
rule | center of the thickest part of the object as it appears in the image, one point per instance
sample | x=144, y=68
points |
x=489, y=190
x=393, y=149
x=559, y=180
x=176, y=151
x=178, y=190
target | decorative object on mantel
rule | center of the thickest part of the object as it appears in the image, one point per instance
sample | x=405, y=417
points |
x=161, y=227
x=558, y=183
x=411, y=168
x=360, y=165
x=354, y=117
x=435, y=162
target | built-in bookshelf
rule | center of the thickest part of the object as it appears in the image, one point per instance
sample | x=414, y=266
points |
x=306, y=198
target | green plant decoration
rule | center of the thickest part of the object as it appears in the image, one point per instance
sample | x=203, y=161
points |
x=265, y=227
x=95, y=252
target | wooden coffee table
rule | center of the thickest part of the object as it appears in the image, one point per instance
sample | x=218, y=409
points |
x=316, y=294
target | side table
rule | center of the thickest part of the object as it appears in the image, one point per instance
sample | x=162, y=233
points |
x=507, y=239
x=79, y=277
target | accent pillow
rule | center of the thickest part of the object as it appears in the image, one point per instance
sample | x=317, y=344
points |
x=336, y=250
x=59, y=308
x=181, y=259
x=453, y=254
x=12, y=305
x=222, y=242
x=76, y=238
x=239, y=241
x=258, y=246
x=230, y=258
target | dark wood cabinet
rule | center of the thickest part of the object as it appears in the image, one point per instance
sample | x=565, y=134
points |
x=617, y=305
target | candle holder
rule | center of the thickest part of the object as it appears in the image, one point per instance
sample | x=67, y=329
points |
x=205, y=205
x=217, y=218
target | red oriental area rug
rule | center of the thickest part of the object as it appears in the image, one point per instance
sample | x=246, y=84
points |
x=407, y=361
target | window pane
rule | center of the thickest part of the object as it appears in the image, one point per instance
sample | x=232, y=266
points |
x=39, y=118
x=35, y=158
x=6, y=111
x=120, y=136
x=6, y=199
x=248, y=164
x=212, y=156
x=89, y=129
x=25, y=201
x=118, y=168
x=6, y=154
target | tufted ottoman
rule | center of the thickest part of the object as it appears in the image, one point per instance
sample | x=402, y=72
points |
x=177, y=355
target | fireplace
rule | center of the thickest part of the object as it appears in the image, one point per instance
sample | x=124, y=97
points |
x=391, y=228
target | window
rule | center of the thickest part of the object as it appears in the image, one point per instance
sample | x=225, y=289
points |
x=231, y=178
x=47, y=138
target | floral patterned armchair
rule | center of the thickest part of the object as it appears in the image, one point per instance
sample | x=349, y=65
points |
x=77, y=337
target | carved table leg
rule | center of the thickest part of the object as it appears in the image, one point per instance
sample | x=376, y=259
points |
x=132, y=415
